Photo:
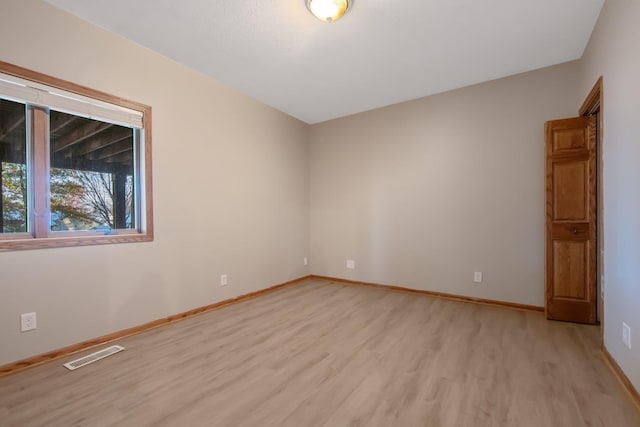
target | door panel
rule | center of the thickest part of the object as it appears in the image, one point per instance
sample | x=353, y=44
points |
x=570, y=261
x=567, y=139
x=570, y=198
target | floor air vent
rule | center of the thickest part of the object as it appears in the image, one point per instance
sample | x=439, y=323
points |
x=93, y=357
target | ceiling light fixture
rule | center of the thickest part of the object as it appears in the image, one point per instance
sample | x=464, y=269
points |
x=328, y=10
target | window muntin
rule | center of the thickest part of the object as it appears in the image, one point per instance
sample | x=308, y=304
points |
x=86, y=157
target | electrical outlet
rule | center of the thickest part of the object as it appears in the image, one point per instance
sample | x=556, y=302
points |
x=477, y=277
x=223, y=280
x=305, y=261
x=351, y=264
x=626, y=335
x=27, y=322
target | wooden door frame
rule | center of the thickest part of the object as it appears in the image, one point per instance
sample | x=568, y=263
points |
x=593, y=103
x=592, y=106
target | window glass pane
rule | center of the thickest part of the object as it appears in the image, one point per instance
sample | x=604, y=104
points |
x=13, y=169
x=92, y=174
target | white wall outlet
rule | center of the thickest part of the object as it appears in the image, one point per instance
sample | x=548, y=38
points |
x=351, y=264
x=223, y=280
x=477, y=277
x=626, y=335
x=305, y=261
x=27, y=322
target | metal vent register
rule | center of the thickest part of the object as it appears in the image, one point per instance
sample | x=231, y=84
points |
x=93, y=357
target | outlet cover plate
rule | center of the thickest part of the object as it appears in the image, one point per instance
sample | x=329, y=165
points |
x=351, y=264
x=27, y=322
x=626, y=335
x=477, y=277
x=223, y=280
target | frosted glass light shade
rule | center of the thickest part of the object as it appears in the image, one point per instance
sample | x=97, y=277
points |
x=328, y=10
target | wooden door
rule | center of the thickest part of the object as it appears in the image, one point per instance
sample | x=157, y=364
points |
x=571, y=249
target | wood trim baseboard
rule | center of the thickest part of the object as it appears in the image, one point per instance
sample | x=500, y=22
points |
x=30, y=362
x=434, y=294
x=622, y=377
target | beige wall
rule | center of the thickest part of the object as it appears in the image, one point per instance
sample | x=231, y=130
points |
x=231, y=193
x=424, y=193
x=613, y=54
x=419, y=194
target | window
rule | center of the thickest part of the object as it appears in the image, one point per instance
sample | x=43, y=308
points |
x=75, y=164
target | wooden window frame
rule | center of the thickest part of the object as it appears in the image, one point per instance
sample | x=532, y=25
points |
x=40, y=235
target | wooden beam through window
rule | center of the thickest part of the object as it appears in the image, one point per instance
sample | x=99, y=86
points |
x=12, y=123
x=60, y=121
x=78, y=135
x=105, y=139
x=112, y=150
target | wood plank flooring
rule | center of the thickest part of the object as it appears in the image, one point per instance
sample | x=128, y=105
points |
x=330, y=354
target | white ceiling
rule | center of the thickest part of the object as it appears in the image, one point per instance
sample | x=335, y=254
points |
x=382, y=52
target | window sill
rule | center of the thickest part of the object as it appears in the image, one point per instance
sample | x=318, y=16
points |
x=66, y=241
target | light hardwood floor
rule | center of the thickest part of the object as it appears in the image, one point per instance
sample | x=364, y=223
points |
x=330, y=354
